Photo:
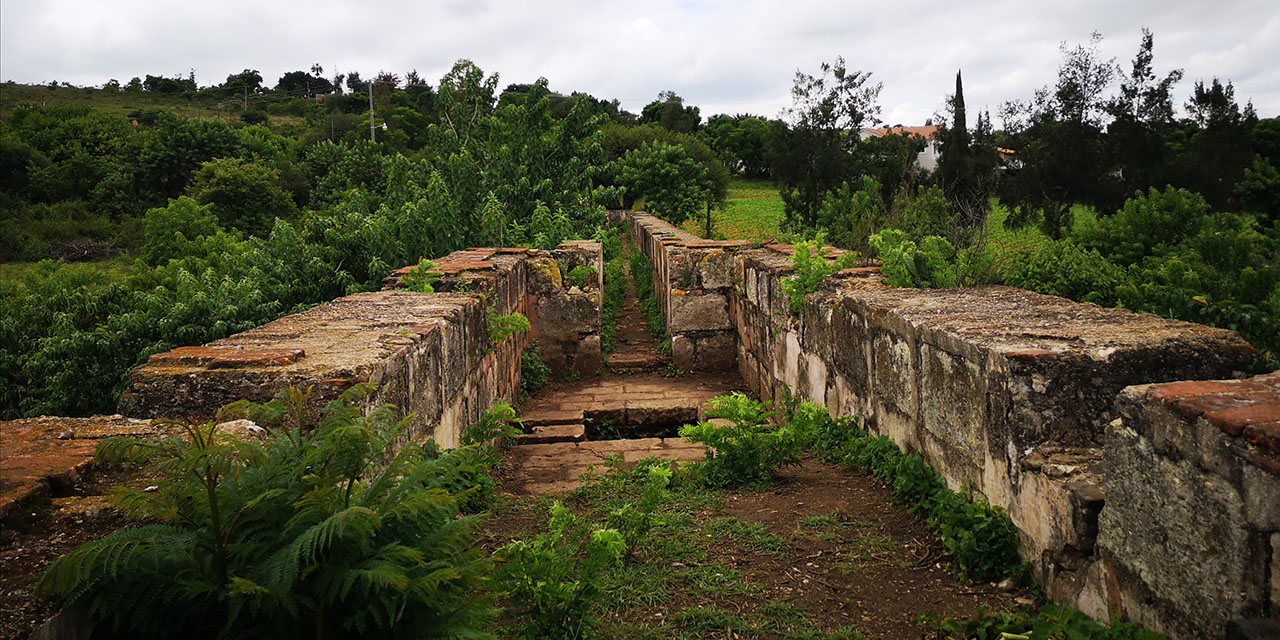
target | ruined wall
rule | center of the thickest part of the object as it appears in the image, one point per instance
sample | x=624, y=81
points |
x=1005, y=392
x=427, y=353
x=693, y=284
x=1190, y=534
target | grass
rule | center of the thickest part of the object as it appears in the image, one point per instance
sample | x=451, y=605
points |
x=752, y=211
x=115, y=269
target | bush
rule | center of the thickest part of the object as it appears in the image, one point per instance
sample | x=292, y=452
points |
x=254, y=116
x=244, y=195
x=171, y=232
x=748, y=451
x=316, y=532
x=534, y=373
x=672, y=184
x=929, y=265
x=1063, y=268
x=1150, y=224
x=582, y=276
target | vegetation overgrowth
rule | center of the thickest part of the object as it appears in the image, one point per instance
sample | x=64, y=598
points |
x=641, y=270
x=615, y=285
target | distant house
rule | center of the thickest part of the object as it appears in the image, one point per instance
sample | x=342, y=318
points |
x=927, y=159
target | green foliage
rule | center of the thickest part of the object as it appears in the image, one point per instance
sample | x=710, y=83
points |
x=1150, y=224
x=1064, y=268
x=671, y=183
x=244, y=195
x=980, y=537
x=534, y=373
x=634, y=520
x=750, y=450
x=905, y=264
x=174, y=231
x=1050, y=622
x=552, y=580
x=582, y=276
x=1259, y=190
x=502, y=327
x=317, y=532
x=422, y=277
x=809, y=266
x=496, y=427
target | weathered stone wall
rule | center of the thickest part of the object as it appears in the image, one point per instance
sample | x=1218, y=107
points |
x=1190, y=534
x=427, y=353
x=693, y=284
x=1006, y=393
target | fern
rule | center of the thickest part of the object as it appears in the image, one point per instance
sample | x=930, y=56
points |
x=316, y=533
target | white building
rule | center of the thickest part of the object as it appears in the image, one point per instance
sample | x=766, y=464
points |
x=927, y=159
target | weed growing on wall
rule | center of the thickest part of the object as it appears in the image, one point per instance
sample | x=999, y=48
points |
x=534, y=373
x=502, y=327
x=810, y=267
x=422, y=278
x=582, y=276
x=316, y=532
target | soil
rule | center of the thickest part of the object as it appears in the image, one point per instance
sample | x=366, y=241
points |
x=32, y=539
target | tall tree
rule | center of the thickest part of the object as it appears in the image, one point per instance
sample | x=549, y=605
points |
x=816, y=150
x=1142, y=115
x=1221, y=149
x=670, y=112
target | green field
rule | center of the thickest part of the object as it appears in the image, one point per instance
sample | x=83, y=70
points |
x=752, y=211
x=115, y=269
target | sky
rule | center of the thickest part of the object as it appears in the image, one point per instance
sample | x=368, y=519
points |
x=725, y=57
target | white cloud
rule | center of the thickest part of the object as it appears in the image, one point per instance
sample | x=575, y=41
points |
x=723, y=56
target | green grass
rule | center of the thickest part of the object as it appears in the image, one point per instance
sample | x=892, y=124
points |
x=752, y=211
x=115, y=269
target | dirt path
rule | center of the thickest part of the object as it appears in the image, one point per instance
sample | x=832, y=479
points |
x=637, y=348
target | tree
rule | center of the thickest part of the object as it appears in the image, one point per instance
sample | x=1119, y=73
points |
x=1058, y=137
x=741, y=141
x=671, y=183
x=303, y=83
x=669, y=111
x=967, y=161
x=244, y=195
x=1142, y=115
x=1220, y=151
x=248, y=80
x=817, y=149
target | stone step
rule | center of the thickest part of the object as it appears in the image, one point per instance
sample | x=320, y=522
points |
x=549, y=417
x=553, y=433
x=636, y=360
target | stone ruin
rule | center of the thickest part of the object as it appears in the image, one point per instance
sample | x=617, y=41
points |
x=1142, y=474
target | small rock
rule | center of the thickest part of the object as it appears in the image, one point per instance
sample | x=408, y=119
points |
x=151, y=488
x=1024, y=601
x=69, y=434
x=1005, y=585
x=574, y=290
x=246, y=429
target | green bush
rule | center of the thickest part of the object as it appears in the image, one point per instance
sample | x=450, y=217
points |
x=672, y=184
x=931, y=264
x=749, y=450
x=1063, y=268
x=642, y=274
x=422, y=277
x=553, y=580
x=534, y=373
x=582, y=276
x=502, y=327
x=1150, y=224
x=316, y=532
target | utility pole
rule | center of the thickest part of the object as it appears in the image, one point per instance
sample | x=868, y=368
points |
x=371, y=112
x=246, y=98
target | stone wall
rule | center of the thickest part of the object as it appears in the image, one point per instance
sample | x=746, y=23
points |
x=1006, y=393
x=1190, y=534
x=693, y=284
x=427, y=353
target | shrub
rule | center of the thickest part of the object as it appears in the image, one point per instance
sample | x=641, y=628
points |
x=672, y=184
x=553, y=580
x=929, y=265
x=1149, y=224
x=502, y=327
x=534, y=373
x=496, y=426
x=747, y=451
x=582, y=276
x=244, y=195
x=171, y=231
x=1063, y=268
x=317, y=532
x=810, y=267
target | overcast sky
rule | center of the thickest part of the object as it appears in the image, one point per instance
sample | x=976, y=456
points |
x=726, y=57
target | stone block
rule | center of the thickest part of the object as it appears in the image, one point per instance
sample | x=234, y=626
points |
x=716, y=352
x=699, y=312
x=565, y=317
x=544, y=276
x=588, y=360
x=683, y=352
x=715, y=269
